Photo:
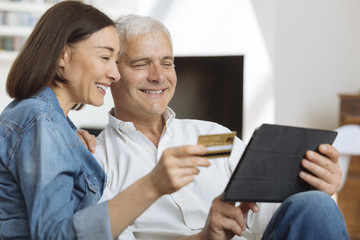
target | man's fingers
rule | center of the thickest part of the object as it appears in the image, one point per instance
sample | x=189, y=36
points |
x=87, y=139
x=331, y=152
x=318, y=159
x=246, y=206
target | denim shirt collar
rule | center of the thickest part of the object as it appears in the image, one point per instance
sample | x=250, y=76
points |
x=48, y=95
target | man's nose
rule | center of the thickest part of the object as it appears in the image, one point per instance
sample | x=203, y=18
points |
x=156, y=73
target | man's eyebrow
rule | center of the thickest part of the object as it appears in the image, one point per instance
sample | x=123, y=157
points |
x=168, y=58
x=147, y=59
x=135, y=60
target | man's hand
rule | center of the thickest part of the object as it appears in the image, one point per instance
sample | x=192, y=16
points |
x=87, y=139
x=177, y=168
x=225, y=220
x=324, y=167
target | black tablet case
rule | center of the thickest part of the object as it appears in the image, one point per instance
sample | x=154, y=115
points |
x=269, y=167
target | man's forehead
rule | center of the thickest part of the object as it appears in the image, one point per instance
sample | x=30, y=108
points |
x=148, y=51
x=149, y=40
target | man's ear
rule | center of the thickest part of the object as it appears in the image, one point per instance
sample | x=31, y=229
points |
x=65, y=56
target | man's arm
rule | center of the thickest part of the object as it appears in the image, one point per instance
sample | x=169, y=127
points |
x=325, y=169
x=225, y=220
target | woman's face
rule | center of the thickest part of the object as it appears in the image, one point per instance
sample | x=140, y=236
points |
x=90, y=67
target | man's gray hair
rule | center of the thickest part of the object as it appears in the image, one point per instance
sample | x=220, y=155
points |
x=130, y=26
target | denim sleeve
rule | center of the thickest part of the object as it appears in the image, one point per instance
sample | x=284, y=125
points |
x=93, y=222
x=46, y=171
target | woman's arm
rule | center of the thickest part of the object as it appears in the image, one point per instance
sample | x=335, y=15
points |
x=50, y=178
x=175, y=169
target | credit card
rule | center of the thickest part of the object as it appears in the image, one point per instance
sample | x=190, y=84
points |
x=217, y=145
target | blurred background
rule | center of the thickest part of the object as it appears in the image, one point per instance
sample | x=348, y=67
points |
x=240, y=63
x=295, y=57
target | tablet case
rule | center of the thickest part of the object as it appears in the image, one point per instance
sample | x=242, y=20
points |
x=269, y=167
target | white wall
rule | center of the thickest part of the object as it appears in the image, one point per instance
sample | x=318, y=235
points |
x=299, y=55
x=317, y=57
x=4, y=69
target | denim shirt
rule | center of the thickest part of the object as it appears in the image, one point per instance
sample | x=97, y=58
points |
x=49, y=181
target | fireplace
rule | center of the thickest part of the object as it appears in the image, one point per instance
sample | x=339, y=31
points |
x=210, y=88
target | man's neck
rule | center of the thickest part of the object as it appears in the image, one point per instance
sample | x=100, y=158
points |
x=150, y=126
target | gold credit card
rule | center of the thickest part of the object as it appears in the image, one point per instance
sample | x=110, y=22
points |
x=217, y=145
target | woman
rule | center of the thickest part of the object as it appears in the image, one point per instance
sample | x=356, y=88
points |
x=49, y=181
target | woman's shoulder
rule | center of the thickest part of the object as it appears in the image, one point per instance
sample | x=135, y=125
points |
x=25, y=111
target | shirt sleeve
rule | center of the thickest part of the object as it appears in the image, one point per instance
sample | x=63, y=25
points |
x=47, y=172
x=99, y=227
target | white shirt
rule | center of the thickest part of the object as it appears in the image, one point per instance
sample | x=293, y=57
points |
x=127, y=155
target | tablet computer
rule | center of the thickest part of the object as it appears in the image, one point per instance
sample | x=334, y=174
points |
x=268, y=170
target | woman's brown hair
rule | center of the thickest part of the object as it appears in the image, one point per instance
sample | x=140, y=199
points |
x=36, y=65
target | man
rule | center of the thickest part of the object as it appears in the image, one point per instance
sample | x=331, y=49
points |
x=141, y=127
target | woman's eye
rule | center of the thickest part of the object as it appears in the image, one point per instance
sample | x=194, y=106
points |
x=106, y=58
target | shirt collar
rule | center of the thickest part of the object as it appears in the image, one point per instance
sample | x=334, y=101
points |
x=121, y=126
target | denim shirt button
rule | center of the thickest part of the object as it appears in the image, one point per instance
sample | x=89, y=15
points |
x=92, y=183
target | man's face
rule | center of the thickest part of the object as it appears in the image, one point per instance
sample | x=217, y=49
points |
x=148, y=78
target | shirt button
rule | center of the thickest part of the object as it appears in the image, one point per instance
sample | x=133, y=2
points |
x=147, y=149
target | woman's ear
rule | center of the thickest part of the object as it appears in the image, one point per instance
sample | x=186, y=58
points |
x=65, y=56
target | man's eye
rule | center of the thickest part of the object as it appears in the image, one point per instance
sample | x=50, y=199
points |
x=168, y=65
x=106, y=58
x=141, y=65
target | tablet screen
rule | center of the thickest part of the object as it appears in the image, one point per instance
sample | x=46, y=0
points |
x=268, y=170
